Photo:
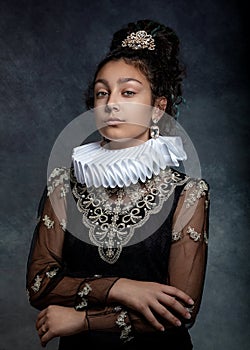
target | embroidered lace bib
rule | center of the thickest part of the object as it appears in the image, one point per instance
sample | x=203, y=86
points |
x=112, y=215
x=98, y=166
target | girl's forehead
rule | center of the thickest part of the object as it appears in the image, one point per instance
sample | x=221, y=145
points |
x=120, y=69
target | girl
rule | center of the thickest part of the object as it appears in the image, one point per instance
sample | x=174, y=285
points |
x=133, y=274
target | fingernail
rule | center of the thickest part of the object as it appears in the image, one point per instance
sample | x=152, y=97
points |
x=191, y=302
x=188, y=315
x=190, y=309
x=162, y=329
x=178, y=323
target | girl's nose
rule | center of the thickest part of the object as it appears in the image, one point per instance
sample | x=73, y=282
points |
x=112, y=107
x=112, y=104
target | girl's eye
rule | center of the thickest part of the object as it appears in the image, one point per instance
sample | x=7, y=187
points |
x=129, y=93
x=101, y=94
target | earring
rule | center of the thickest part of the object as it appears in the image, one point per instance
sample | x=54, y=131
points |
x=154, y=129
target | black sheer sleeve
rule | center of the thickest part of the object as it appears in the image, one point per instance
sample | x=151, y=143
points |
x=47, y=278
x=188, y=255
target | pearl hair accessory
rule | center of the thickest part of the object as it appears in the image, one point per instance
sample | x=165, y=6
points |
x=139, y=40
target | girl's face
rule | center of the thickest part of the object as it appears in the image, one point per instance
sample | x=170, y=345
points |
x=123, y=104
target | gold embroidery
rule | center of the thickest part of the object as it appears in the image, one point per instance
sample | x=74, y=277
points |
x=126, y=329
x=56, y=178
x=52, y=273
x=82, y=293
x=63, y=224
x=176, y=236
x=36, y=286
x=199, y=189
x=193, y=234
x=85, y=291
x=82, y=304
x=196, y=236
x=48, y=222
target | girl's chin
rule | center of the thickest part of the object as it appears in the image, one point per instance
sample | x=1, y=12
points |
x=123, y=133
x=121, y=143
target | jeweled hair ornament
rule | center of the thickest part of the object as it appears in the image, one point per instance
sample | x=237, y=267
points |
x=139, y=40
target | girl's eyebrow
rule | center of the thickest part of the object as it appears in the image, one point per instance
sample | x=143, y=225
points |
x=103, y=81
x=120, y=81
x=125, y=80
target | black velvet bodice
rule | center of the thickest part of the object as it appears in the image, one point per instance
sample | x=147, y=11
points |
x=146, y=260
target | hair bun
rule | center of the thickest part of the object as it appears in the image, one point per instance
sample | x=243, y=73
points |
x=165, y=39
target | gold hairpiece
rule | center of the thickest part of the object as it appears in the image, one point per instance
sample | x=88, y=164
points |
x=139, y=40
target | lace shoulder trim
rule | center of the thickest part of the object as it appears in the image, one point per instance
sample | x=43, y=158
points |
x=196, y=188
x=59, y=177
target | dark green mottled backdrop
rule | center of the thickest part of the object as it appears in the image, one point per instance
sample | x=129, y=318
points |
x=48, y=51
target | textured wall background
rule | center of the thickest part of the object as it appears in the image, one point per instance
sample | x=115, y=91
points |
x=48, y=51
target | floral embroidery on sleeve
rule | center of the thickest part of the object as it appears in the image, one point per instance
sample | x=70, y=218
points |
x=63, y=224
x=52, y=273
x=193, y=234
x=125, y=329
x=37, y=284
x=48, y=222
x=64, y=190
x=198, y=190
x=59, y=176
x=192, y=192
x=82, y=294
x=176, y=236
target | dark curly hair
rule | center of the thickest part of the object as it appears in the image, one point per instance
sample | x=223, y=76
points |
x=161, y=66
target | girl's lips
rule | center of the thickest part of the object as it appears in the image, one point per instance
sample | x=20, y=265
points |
x=114, y=121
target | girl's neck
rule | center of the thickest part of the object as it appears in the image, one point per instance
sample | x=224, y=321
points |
x=123, y=143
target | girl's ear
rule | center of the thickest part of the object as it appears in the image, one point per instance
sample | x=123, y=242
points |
x=160, y=106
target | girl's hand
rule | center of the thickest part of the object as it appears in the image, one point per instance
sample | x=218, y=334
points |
x=151, y=299
x=56, y=321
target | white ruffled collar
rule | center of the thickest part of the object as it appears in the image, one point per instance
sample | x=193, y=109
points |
x=97, y=166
